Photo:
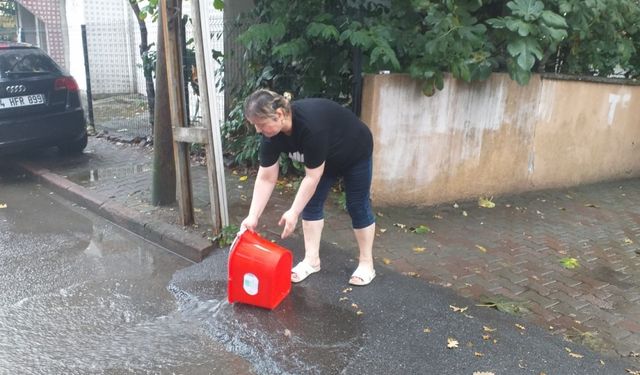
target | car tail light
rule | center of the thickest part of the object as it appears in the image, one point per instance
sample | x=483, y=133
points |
x=66, y=83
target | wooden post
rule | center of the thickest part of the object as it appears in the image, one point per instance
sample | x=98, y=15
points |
x=171, y=11
x=204, y=60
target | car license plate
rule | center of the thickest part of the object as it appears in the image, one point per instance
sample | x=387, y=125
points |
x=21, y=101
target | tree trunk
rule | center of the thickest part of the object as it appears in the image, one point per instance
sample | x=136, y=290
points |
x=163, y=190
x=146, y=65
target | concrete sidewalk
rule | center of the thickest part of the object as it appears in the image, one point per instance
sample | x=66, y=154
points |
x=511, y=255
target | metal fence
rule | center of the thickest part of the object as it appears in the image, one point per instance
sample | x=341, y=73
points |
x=116, y=77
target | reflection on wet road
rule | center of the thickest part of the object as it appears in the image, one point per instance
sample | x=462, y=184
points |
x=80, y=296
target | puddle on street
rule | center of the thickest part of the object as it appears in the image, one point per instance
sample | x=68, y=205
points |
x=306, y=333
x=81, y=296
x=91, y=176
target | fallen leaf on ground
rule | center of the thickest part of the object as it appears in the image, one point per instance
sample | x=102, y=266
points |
x=419, y=249
x=489, y=329
x=455, y=205
x=452, y=343
x=483, y=373
x=243, y=178
x=287, y=333
x=401, y=226
x=464, y=213
x=422, y=229
x=354, y=305
x=486, y=202
x=478, y=354
x=3, y=205
x=591, y=205
x=343, y=299
x=386, y=260
x=628, y=240
x=382, y=230
x=458, y=309
x=412, y=274
x=347, y=290
x=576, y=355
x=436, y=216
x=359, y=312
x=380, y=214
x=632, y=372
x=569, y=263
x=486, y=337
x=482, y=248
x=427, y=330
x=519, y=326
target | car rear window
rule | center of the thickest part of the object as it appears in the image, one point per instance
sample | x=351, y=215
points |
x=25, y=61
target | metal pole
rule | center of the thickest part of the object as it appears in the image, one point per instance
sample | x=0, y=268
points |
x=85, y=49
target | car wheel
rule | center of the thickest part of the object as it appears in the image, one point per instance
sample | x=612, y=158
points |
x=74, y=147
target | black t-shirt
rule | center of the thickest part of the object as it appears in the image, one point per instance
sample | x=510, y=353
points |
x=323, y=131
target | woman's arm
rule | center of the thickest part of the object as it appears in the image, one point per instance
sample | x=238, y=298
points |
x=306, y=190
x=262, y=189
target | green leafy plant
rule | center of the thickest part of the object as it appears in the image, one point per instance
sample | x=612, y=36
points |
x=310, y=47
x=227, y=235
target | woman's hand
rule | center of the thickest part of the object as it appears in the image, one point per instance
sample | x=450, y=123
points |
x=289, y=219
x=250, y=223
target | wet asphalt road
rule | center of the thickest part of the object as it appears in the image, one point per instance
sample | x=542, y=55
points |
x=81, y=296
x=78, y=295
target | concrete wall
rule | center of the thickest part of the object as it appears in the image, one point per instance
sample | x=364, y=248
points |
x=496, y=137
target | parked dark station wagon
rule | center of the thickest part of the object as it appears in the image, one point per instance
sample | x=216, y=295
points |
x=39, y=105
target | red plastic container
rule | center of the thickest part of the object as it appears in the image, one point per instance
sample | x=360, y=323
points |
x=259, y=271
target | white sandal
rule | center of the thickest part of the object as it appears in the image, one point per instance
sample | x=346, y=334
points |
x=363, y=274
x=302, y=270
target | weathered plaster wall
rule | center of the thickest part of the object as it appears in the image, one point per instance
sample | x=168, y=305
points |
x=496, y=137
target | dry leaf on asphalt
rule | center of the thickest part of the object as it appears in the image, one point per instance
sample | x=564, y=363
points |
x=486, y=202
x=486, y=337
x=482, y=248
x=354, y=305
x=412, y=274
x=576, y=355
x=478, y=354
x=243, y=178
x=519, y=326
x=347, y=290
x=3, y=205
x=382, y=230
x=483, y=373
x=627, y=240
x=591, y=205
x=455, y=205
x=380, y=214
x=436, y=216
x=359, y=312
x=452, y=343
x=464, y=213
x=401, y=226
x=427, y=330
x=632, y=372
x=287, y=333
x=489, y=329
x=386, y=260
x=458, y=309
x=343, y=299
x=419, y=249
